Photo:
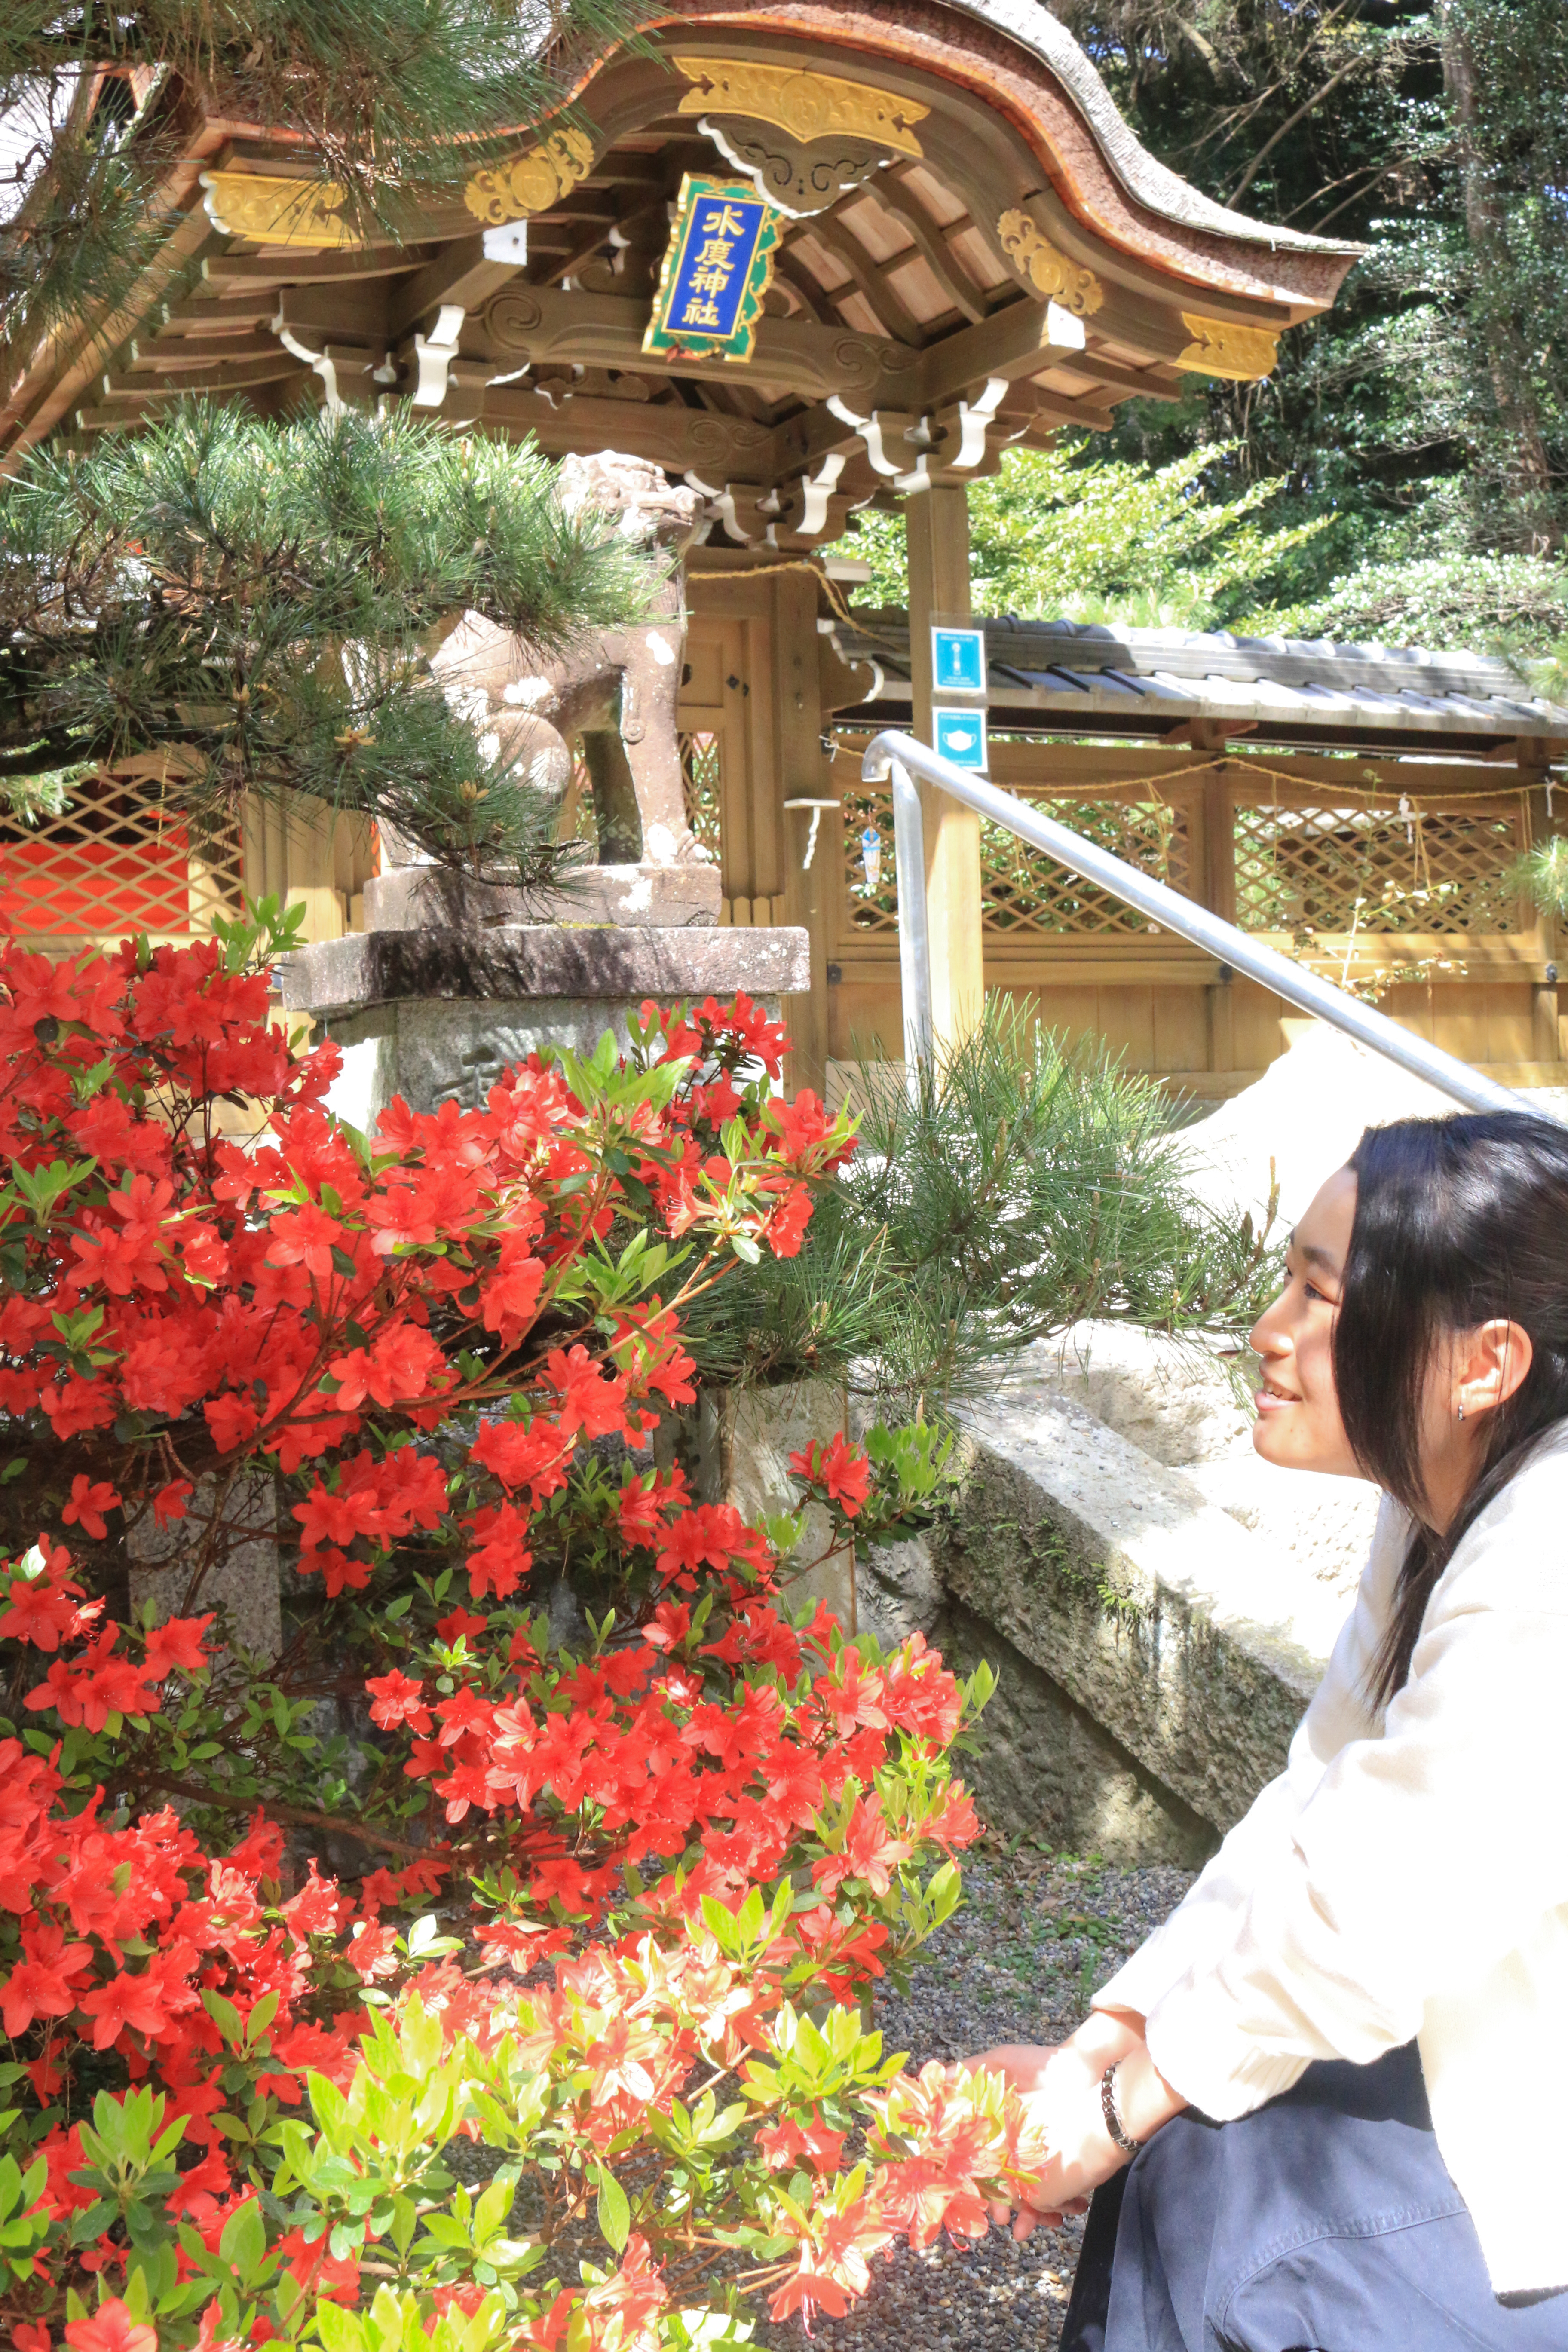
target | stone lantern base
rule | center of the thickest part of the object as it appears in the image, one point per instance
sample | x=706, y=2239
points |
x=435, y=1015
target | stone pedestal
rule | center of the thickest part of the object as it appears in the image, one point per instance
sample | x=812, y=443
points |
x=243, y=1583
x=415, y=897
x=437, y=1014
x=745, y=1438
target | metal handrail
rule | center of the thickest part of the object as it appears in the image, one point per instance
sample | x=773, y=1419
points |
x=894, y=755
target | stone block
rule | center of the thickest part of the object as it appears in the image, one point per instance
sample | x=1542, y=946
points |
x=744, y=1439
x=243, y=1582
x=1192, y=1646
x=524, y=962
x=422, y=898
x=1043, y=1767
x=901, y=1590
x=437, y=1016
x=1175, y=1400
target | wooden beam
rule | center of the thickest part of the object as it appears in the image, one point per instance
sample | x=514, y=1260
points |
x=931, y=242
x=811, y=291
x=870, y=276
x=938, y=529
x=194, y=317
x=1055, y=408
x=462, y=273
x=580, y=250
x=1208, y=734
x=53, y=382
x=178, y=379
x=606, y=330
x=206, y=352
x=254, y=270
x=1137, y=384
x=1010, y=342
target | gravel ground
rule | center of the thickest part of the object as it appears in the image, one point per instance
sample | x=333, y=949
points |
x=1035, y=1934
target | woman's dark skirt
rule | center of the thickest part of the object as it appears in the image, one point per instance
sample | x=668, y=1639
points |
x=1324, y=2223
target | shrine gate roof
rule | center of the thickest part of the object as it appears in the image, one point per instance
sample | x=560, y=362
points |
x=970, y=250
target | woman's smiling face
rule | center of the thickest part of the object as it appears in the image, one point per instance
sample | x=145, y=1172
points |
x=1299, y=1425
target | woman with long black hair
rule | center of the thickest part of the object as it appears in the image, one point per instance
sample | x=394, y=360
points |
x=1325, y=2104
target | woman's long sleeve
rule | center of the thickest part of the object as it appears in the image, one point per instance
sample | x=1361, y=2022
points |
x=1204, y=1923
x=1418, y=1863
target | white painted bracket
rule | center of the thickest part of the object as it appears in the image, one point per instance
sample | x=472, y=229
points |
x=870, y=431
x=316, y=360
x=435, y=354
x=722, y=504
x=818, y=489
x=974, y=418
x=507, y=243
x=1064, y=329
x=816, y=808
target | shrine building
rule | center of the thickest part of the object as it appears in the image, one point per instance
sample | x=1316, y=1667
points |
x=808, y=256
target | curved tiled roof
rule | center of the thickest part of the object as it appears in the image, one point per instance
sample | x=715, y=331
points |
x=1055, y=676
x=1031, y=23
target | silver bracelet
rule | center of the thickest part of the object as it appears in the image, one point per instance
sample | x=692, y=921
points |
x=1112, y=2113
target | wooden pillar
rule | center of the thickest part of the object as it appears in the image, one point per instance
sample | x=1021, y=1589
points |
x=1218, y=871
x=802, y=776
x=1544, y=1038
x=938, y=526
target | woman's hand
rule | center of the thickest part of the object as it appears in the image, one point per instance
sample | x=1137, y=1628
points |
x=1052, y=2078
x=1065, y=2106
x=1062, y=2086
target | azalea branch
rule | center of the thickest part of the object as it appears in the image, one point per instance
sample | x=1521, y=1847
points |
x=305, y=1817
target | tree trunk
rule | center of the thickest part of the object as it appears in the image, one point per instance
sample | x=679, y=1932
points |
x=1507, y=358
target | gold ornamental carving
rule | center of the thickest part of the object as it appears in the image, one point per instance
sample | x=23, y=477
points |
x=306, y=214
x=805, y=106
x=1219, y=347
x=1051, y=273
x=531, y=182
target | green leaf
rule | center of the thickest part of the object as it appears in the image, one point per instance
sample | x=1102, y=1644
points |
x=615, y=2213
x=243, y=2244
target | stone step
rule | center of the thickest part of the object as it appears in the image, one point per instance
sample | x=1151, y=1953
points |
x=1155, y=1655
x=1193, y=1643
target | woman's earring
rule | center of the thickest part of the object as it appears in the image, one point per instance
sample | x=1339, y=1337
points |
x=1461, y=1408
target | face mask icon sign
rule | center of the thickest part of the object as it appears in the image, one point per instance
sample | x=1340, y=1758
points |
x=959, y=736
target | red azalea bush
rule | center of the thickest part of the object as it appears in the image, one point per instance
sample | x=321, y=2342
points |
x=470, y=1972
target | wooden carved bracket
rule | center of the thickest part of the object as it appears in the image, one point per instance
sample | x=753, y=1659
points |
x=531, y=182
x=303, y=215
x=1219, y=347
x=1050, y=272
x=803, y=106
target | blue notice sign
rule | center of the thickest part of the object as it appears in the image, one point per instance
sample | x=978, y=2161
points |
x=959, y=737
x=958, y=660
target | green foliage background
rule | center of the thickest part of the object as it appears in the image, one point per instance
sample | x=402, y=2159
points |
x=1403, y=474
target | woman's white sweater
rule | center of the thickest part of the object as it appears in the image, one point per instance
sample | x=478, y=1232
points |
x=1407, y=1874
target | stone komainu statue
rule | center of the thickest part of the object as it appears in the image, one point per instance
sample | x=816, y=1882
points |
x=615, y=694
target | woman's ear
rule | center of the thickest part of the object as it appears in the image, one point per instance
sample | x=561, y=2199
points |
x=1490, y=1364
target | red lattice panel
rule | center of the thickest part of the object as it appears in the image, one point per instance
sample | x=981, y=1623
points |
x=115, y=862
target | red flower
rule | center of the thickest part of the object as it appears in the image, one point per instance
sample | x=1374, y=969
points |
x=169, y=1501
x=111, y=2329
x=176, y=1643
x=396, y=1700
x=89, y=1498
x=846, y=1475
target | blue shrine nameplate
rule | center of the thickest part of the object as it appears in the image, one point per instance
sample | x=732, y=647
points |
x=717, y=269
x=959, y=736
x=957, y=661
